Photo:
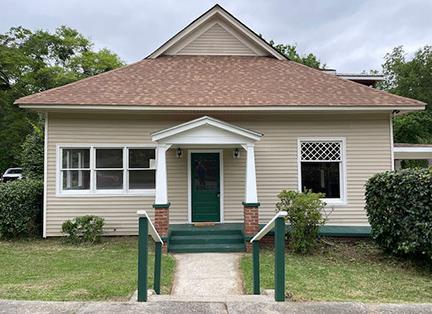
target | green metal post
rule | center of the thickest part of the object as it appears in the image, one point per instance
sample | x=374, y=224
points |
x=157, y=267
x=280, y=259
x=142, y=259
x=256, y=266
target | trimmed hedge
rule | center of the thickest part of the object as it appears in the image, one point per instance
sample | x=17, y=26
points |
x=20, y=208
x=399, y=207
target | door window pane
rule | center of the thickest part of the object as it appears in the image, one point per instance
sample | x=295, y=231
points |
x=109, y=179
x=73, y=158
x=76, y=179
x=321, y=177
x=142, y=179
x=141, y=158
x=109, y=158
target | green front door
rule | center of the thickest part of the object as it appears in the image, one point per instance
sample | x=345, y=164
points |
x=205, y=175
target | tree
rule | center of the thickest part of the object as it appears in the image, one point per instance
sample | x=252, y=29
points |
x=31, y=62
x=290, y=51
x=32, y=154
x=411, y=78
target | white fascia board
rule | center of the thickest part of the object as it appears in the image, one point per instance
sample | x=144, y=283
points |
x=276, y=108
x=172, y=131
x=416, y=149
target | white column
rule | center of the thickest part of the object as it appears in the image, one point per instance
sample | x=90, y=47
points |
x=251, y=189
x=161, y=175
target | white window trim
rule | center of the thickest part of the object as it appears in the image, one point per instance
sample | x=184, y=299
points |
x=331, y=202
x=92, y=192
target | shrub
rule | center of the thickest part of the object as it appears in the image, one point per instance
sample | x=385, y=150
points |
x=20, y=208
x=399, y=208
x=304, y=217
x=83, y=229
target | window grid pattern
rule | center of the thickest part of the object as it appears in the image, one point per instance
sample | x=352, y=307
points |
x=321, y=151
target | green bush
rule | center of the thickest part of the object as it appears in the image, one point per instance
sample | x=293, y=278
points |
x=86, y=229
x=399, y=207
x=20, y=208
x=304, y=217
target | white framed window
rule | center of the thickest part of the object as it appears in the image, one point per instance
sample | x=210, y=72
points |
x=106, y=170
x=322, y=169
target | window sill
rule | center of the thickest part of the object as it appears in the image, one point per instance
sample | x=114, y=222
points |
x=138, y=193
x=335, y=203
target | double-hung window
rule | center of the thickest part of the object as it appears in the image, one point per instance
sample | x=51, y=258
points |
x=322, y=168
x=107, y=170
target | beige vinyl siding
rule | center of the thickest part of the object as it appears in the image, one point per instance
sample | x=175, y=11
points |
x=217, y=41
x=367, y=146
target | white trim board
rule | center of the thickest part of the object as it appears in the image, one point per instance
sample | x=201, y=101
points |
x=221, y=181
x=233, y=108
x=45, y=192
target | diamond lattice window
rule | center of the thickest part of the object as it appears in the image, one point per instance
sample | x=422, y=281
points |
x=321, y=151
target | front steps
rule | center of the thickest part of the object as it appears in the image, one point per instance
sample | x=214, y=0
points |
x=205, y=239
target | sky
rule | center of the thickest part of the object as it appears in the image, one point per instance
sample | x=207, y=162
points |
x=347, y=35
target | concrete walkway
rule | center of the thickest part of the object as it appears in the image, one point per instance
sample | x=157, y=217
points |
x=177, y=307
x=207, y=274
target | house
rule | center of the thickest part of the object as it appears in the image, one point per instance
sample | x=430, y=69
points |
x=210, y=127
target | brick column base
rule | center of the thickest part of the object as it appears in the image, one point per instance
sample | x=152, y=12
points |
x=251, y=222
x=161, y=220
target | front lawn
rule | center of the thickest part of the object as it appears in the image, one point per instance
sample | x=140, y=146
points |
x=50, y=270
x=346, y=271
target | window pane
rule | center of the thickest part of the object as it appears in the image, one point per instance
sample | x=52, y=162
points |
x=142, y=179
x=322, y=177
x=140, y=158
x=109, y=179
x=109, y=158
x=76, y=179
x=76, y=158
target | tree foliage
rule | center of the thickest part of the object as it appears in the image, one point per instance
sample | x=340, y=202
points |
x=411, y=78
x=34, y=61
x=290, y=51
x=32, y=154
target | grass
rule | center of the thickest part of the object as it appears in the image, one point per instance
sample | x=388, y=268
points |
x=346, y=271
x=51, y=270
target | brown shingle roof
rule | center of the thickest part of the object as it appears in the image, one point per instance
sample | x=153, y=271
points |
x=225, y=81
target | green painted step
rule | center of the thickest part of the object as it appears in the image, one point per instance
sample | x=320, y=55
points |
x=199, y=248
x=202, y=231
x=208, y=238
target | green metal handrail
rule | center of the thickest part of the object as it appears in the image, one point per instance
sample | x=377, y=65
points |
x=146, y=228
x=278, y=222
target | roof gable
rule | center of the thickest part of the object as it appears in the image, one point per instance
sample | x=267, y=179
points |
x=217, y=32
x=212, y=130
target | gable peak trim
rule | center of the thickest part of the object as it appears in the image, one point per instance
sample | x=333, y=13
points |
x=231, y=20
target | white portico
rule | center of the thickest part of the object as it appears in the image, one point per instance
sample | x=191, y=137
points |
x=201, y=136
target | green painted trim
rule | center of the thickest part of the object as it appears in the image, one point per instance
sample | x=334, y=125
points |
x=157, y=267
x=162, y=205
x=142, y=258
x=279, y=272
x=251, y=204
x=338, y=231
x=256, y=267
